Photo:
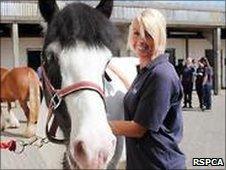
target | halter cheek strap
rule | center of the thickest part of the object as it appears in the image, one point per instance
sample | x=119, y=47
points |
x=58, y=94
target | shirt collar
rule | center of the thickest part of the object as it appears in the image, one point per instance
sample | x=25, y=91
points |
x=160, y=59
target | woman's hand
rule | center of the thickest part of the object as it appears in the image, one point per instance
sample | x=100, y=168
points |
x=127, y=128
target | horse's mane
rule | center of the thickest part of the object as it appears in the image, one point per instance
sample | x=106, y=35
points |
x=79, y=21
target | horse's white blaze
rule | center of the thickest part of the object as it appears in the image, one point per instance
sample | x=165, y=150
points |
x=115, y=91
x=86, y=108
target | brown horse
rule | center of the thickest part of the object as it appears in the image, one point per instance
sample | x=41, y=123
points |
x=3, y=72
x=22, y=84
x=11, y=121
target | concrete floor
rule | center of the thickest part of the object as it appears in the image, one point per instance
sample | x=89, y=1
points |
x=204, y=137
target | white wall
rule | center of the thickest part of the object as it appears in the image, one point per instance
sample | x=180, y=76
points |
x=29, y=44
x=179, y=45
x=197, y=47
x=7, y=58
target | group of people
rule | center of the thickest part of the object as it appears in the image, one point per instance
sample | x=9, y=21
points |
x=199, y=73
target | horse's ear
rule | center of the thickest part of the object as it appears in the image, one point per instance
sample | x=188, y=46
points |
x=105, y=6
x=48, y=9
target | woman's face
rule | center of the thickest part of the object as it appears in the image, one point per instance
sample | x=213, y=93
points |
x=143, y=46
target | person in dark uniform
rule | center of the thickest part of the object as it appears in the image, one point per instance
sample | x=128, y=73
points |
x=199, y=82
x=187, y=82
x=180, y=68
x=153, y=127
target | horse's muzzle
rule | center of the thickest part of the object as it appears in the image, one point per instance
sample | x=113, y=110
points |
x=91, y=155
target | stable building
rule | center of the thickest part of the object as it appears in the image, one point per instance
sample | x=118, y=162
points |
x=194, y=29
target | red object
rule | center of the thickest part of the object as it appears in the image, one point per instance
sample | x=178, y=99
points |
x=10, y=145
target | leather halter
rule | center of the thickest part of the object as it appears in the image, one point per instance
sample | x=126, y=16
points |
x=58, y=94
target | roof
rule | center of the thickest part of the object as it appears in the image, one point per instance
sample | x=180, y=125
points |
x=190, y=13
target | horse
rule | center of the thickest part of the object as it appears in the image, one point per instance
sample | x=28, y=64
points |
x=79, y=44
x=22, y=84
x=3, y=123
x=8, y=120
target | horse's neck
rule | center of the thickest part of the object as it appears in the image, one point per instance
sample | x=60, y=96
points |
x=124, y=71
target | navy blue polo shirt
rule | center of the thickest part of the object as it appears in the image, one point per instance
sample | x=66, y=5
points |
x=154, y=101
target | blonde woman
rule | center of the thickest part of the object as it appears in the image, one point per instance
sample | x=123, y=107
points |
x=153, y=125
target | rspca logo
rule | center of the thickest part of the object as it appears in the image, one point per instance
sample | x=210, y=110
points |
x=208, y=162
x=134, y=91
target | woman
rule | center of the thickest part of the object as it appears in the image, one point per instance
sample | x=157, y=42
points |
x=207, y=84
x=199, y=82
x=153, y=125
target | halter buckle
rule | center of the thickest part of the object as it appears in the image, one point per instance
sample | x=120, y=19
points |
x=55, y=101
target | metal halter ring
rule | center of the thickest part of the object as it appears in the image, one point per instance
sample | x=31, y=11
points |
x=55, y=101
x=20, y=146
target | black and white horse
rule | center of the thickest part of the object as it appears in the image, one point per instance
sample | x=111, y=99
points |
x=79, y=43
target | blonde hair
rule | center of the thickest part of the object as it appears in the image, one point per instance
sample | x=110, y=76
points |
x=154, y=23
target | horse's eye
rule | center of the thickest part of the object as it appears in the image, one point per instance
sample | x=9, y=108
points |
x=136, y=33
x=50, y=56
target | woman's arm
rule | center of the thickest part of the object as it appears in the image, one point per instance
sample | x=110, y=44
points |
x=205, y=77
x=127, y=128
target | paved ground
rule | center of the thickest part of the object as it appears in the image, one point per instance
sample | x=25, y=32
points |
x=204, y=132
x=204, y=137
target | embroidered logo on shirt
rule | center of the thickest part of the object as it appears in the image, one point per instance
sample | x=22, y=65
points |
x=134, y=91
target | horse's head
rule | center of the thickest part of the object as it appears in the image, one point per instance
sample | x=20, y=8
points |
x=78, y=44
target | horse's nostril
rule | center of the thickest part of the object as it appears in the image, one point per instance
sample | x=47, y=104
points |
x=80, y=149
x=103, y=157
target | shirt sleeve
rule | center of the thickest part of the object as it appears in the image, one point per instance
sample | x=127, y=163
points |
x=154, y=103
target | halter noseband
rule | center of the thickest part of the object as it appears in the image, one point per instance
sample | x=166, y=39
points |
x=58, y=94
